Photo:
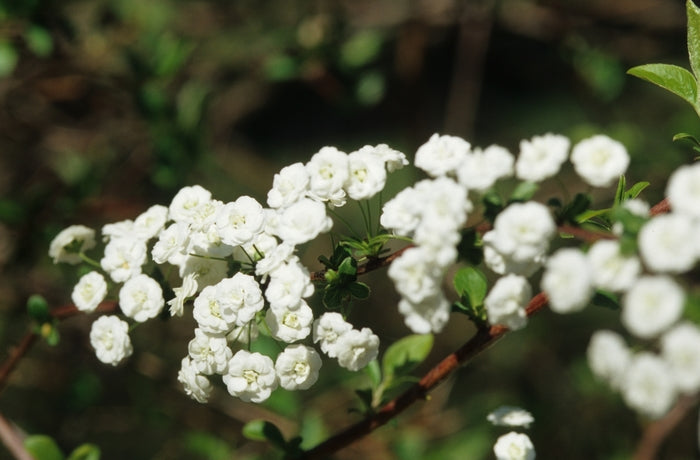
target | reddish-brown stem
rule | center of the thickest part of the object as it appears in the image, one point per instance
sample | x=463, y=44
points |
x=13, y=440
x=656, y=432
x=30, y=338
x=483, y=339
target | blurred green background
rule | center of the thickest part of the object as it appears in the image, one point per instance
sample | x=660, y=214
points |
x=110, y=106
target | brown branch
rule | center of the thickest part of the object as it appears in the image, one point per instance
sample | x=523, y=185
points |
x=30, y=338
x=656, y=432
x=483, y=339
x=13, y=440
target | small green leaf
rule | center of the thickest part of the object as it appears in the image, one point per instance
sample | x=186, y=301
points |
x=8, y=58
x=524, y=191
x=620, y=192
x=635, y=190
x=333, y=298
x=50, y=333
x=693, y=36
x=578, y=206
x=470, y=283
x=85, y=452
x=687, y=137
x=590, y=214
x=671, y=78
x=348, y=268
x=39, y=41
x=262, y=430
x=43, y=447
x=365, y=396
x=374, y=372
x=606, y=300
x=38, y=308
x=404, y=355
x=359, y=290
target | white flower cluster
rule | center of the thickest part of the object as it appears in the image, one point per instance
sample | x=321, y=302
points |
x=653, y=301
x=200, y=236
x=513, y=445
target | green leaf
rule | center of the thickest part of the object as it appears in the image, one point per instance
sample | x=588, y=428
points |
x=590, y=214
x=620, y=192
x=8, y=58
x=524, y=191
x=470, y=283
x=606, y=300
x=374, y=372
x=404, y=355
x=39, y=41
x=693, y=36
x=262, y=430
x=333, y=298
x=38, y=308
x=675, y=79
x=348, y=268
x=687, y=137
x=469, y=247
x=359, y=290
x=50, y=332
x=43, y=447
x=85, y=452
x=635, y=190
x=361, y=48
x=578, y=206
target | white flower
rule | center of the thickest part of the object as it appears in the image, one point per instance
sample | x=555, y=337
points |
x=196, y=385
x=505, y=303
x=668, y=243
x=109, y=336
x=302, y=221
x=356, y=348
x=648, y=386
x=327, y=329
x=297, y=367
x=207, y=312
x=415, y=274
x=519, y=239
x=207, y=271
x=185, y=203
x=567, y=281
x=511, y=416
x=367, y=175
x=599, y=160
x=514, y=446
x=444, y=203
x=441, y=155
x=240, y=221
x=149, y=223
x=121, y=229
x=683, y=190
x=69, y=242
x=482, y=168
x=123, y=258
x=541, y=157
x=182, y=293
x=328, y=172
x=171, y=243
x=651, y=305
x=288, y=186
x=680, y=348
x=209, y=354
x=288, y=284
x=239, y=298
x=250, y=377
x=206, y=243
x=270, y=255
x=290, y=324
x=392, y=158
x=608, y=357
x=141, y=298
x=611, y=270
x=89, y=292
x=428, y=315
x=401, y=214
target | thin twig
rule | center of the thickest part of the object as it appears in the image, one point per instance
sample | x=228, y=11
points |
x=656, y=432
x=483, y=339
x=13, y=440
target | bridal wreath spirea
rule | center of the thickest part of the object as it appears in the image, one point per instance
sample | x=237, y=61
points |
x=235, y=268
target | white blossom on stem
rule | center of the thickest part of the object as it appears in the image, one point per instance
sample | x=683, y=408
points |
x=669, y=243
x=297, y=367
x=651, y=305
x=328, y=329
x=288, y=186
x=123, y=258
x=680, y=348
x=506, y=301
x=367, y=175
x=141, y=298
x=600, y=160
x=61, y=247
x=250, y=376
x=196, y=385
x=612, y=270
x=302, y=221
x=328, y=171
x=514, y=446
x=209, y=353
x=149, y=223
x=511, y=416
x=184, y=205
x=648, y=385
x=441, y=155
x=482, y=168
x=683, y=190
x=89, y=292
x=356, y=348
x=430, y=314
x=109, y=336
x=567, y=281
x=608, y=357
x=541, y=157
x=290, y=324
x=240, y=221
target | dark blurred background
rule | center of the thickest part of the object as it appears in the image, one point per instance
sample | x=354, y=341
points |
x=110, y=106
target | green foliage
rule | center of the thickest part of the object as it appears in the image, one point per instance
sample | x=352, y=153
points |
x=606, y=300
x=262, y=430
x=471, y=286
x=207, y=446
x=341, y=279
x=43, y=447
x=38, y=308
x=404, y=355
x=86, y=452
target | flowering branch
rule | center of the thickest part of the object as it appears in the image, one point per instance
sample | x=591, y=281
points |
x=483, y=339
x=657, y=431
